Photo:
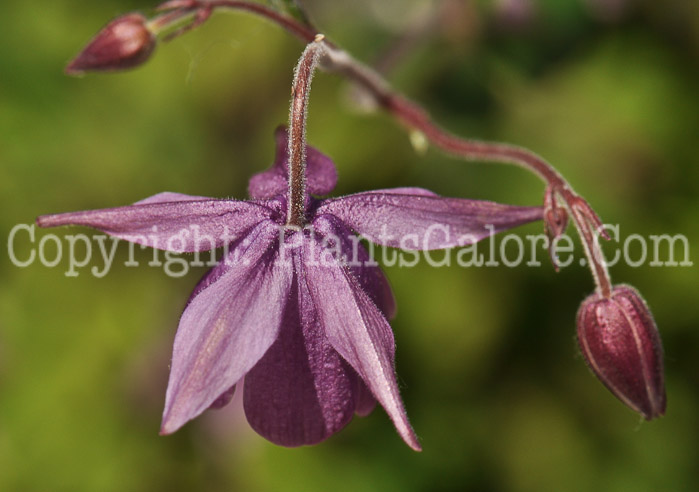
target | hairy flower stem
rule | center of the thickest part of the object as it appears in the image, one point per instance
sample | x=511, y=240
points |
x=416, y=119
x=176, y=10
x=300, y=90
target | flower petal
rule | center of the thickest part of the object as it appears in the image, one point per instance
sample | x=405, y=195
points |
x=417, y=220
x=366, y=270
x=321, y=175
x=301, y=392
x=357, y=330
x=226, y=329
x=229, y=260
x=223, y=399
x=365, y=400
x=170, y=221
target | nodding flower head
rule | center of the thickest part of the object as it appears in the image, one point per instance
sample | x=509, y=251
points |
x=301, y=313
x=125, y=42
x=621, y=344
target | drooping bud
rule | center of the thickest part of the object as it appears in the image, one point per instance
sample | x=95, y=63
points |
x=124, y=43
x=621, y=344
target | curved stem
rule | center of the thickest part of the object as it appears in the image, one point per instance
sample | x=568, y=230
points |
x=415, y=118
x=585, y=219
x=303, y=76
x=587, y=222
x=176, y=9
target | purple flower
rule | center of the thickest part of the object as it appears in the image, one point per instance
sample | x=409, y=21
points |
x=299, y=313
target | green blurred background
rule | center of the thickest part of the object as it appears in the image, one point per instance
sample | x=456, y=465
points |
x=490, y=372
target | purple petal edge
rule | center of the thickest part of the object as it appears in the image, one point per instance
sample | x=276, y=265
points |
x=414, y=219
x=225, y=330
x=359, y=332
x=367, y=271
x=180, y=224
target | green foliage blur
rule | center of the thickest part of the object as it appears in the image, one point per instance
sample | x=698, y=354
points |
x=487, y=360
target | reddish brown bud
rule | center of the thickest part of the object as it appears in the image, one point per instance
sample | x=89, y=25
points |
x=123, y=43
x=621, y=344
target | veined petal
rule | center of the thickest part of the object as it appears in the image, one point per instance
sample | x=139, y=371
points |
x=367, y=271
x=170, y=221
x=230, y=259
x=226, y=329
x=321, y=175
x=416, y=219
x=301, y=392
x=357, y=330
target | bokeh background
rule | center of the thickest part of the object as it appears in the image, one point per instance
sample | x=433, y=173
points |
x=490, y=372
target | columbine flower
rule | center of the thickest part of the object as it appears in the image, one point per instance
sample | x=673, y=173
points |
x=288, y=310
x=621, y=344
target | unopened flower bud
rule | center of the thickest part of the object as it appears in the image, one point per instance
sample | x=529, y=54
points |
x=621, y=344
x=124, y=43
